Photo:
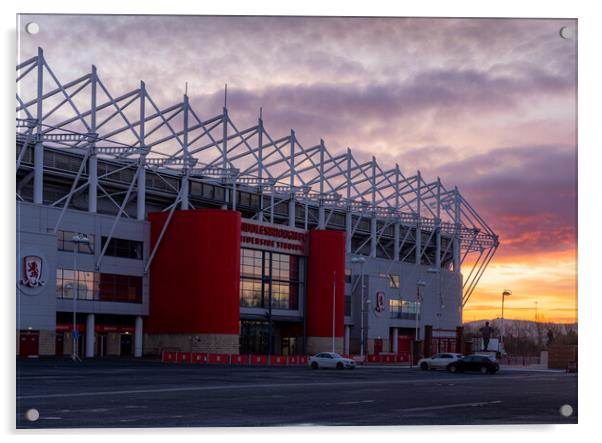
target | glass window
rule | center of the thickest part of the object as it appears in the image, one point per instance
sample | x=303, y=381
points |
x=272, y=274
x=347, y=275
x=97, y=286
x=65, y=243
x=207, y=191
x=393, y=280
x=120, y=247
x=402, y=309
x=347, y=305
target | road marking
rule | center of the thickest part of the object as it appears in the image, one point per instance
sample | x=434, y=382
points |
x=265, y=385
x=457, y=405
x=354, y=402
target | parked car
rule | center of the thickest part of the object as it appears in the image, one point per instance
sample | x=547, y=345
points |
x=438, y=361
x=330, y=360
x=479, y=363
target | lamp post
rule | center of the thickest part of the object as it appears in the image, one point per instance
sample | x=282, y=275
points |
x=77, y=239
x=505, y=294
x=441, y=305
x=361, y=260
x=419, y=284
x=334, y=305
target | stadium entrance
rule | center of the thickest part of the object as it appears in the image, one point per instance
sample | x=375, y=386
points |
x=256, y=336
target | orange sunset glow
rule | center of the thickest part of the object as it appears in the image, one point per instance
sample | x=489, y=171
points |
x=550, y=281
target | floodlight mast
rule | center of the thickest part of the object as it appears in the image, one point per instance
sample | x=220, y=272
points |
x=419, y=212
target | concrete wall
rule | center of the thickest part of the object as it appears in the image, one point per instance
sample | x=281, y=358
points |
x=37, y=307
x=442, y=294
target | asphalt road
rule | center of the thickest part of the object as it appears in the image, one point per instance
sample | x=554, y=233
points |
x=134, y=394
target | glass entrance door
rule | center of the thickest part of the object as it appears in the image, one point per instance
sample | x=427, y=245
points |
x=254, y=337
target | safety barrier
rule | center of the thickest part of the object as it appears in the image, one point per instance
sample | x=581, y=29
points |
x=278, y=360
x=274, y=360
x=237, y=359
x=258, y=359
x=184, y=357
x=199, y=358
x=169, y=356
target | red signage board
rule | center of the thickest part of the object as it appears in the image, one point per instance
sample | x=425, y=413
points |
x=277, y=238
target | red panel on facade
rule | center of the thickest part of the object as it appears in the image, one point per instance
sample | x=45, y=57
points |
x=277, y=360
x=237, y=359
x=195, y=274
x=258, y=359
x=169, y=356
x=223, y=359
x=198, y=358
x=326, y=265
x=183, y=357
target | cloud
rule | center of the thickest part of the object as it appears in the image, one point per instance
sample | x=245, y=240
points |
x=528, y=194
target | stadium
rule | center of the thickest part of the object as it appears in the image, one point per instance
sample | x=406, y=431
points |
x=143, y=228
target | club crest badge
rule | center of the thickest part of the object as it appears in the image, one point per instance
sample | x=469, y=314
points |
x=32, y=271
x=379, y=306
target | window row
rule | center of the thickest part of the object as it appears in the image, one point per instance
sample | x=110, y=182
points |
x=98, y=286
x=404, y=310
x=120, y=247
x=393, y=280
x=256, y=294
x=257, y=264
x=64, y=242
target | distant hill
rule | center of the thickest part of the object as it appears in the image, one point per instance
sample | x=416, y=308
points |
x=522, y=328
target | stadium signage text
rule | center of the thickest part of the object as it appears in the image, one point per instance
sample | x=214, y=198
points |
x=273, y=238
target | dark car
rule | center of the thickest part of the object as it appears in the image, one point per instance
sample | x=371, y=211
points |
x=478, y=363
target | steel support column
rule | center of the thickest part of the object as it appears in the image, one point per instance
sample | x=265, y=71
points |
x=138, y=335
x=348, y=230
x=373, y=238
x=292, y=211
x=184, y=182
x=141, y=191
x=418, y=219
x=457, y=227
x=93, y=160
x=90, y=335
x=38, y=153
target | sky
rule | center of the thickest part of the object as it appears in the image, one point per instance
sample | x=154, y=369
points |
x=488, y=105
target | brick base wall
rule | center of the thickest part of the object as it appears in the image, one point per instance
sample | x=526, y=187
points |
x=324, y=344
x=209, y=343
x=47, y=345
x=113, y=343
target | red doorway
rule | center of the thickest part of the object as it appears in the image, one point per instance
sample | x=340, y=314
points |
x=59, y=344
x=404, y=343
x=29, y=342
x=378, y=346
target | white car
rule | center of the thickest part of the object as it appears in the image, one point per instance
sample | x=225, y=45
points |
x=330, y=360
x=438, y=361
